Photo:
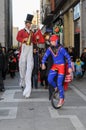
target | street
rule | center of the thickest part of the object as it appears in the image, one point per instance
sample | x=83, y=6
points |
x=36, y=113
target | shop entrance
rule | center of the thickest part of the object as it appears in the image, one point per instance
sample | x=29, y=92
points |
x=77, y=44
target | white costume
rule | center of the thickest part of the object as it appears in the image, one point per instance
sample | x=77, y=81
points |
x=25, y=68
x=26, y=56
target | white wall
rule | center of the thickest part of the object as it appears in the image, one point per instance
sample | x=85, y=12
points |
x=2, y=23
x=15, y=31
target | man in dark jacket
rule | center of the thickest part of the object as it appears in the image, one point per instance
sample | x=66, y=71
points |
x=83, y=58
x=49, y=64
x=35, y=68
x=1, y=70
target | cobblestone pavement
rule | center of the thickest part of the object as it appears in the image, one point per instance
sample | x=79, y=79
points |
x=36, y=113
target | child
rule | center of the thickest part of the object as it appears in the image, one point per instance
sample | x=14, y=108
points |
x=12, y=66
x=78, y=67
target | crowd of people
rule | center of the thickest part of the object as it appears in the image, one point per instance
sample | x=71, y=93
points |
x=53, y=66
x=8, y=64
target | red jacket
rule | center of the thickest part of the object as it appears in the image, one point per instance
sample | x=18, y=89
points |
x=23, y=34
x=38, y=37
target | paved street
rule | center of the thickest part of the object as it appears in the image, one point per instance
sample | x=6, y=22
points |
x=36, y=113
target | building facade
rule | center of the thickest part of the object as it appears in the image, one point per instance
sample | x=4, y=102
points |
x=71, y=15
x=2, y=22
x=6, y=23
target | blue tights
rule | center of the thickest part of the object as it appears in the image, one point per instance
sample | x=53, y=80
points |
x=58, y=83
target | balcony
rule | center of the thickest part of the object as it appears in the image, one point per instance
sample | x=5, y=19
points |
x=59, y=3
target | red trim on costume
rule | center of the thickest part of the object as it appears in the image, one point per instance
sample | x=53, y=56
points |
x=53, y=52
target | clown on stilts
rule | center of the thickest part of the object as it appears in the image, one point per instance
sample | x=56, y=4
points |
x=59, y=54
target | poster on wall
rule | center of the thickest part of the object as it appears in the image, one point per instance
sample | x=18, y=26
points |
x=77, y=11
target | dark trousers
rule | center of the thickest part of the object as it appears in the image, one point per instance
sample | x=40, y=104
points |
x=1, y=82
x=12, y=74
x=51, y=90
x=35, y=81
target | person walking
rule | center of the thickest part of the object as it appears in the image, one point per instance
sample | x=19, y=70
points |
x=83, y=58
x=5, y=56
x=25, y=37
x=35, y=68
x=12, y=65
x=2, y=89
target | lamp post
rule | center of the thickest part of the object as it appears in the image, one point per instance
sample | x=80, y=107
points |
x=37, y=16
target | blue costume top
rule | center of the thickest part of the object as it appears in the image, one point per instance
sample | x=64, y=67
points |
x=59, y=54
x=59, y=57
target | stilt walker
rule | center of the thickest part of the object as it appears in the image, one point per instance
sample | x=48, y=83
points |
x=25, y=37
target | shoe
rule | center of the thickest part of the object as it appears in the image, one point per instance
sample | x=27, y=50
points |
x=26, y=97
x=42, y=84
x=22, y=87
x=2, y=90
x=61, y=102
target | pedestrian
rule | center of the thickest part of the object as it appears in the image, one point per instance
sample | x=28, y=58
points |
x=35, y=68
x=5, y=56
x=12, y=65
x=43, y=77
x=78, y=67
x=1, y=70
x=25, y=37
x=71, y=53
x=59, y=54
x=83, y=58
x=49, y=63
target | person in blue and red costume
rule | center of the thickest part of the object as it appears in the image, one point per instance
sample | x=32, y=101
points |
x=59, y=54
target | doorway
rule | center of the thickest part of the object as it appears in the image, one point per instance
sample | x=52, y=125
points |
x=77, y=44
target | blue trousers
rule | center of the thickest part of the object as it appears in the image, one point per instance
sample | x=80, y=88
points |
x=58, y=82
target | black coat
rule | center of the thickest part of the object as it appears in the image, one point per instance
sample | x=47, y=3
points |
x=35, y=68
x=1, y=69
x=1, y=61
x=49, y=64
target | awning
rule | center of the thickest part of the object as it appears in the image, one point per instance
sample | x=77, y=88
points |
x=64, y=11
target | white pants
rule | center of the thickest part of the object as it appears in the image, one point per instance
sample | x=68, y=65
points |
x=25, y=68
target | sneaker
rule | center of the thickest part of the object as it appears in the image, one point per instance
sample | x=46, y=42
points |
x=61, y=102
x=42, y=84
x=22, y=87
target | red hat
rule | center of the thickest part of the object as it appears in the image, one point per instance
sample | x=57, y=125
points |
x=54, y=38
